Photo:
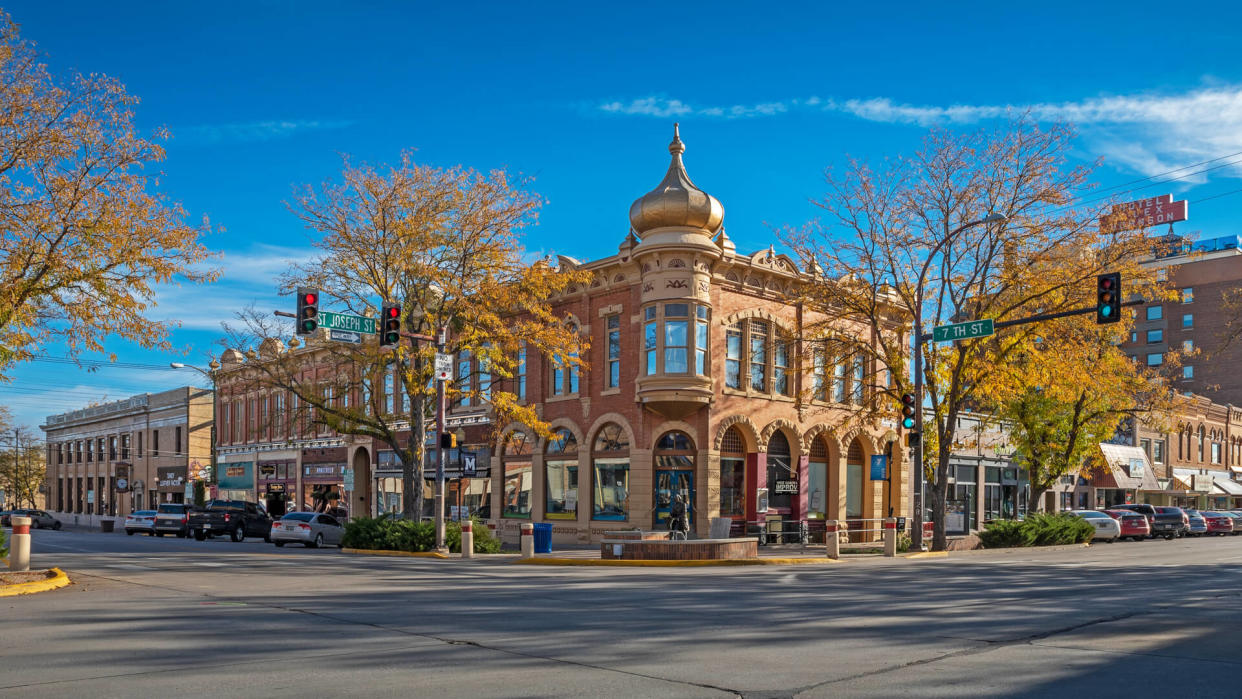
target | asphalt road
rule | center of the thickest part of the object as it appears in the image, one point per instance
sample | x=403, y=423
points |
x=172, y=617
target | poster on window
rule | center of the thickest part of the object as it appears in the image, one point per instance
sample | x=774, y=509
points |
x=761, y=499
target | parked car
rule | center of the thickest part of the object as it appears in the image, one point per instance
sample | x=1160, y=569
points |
x=141, y=521
x=1198, y=525
x=1237, y=520
x=172, y=518
x=1184, y=529
x=1167, y=524
x=236, y=518
x=1106, y=527
x=1218, y=523
x=38, y=518
x=307, y=528
x=1134, y=526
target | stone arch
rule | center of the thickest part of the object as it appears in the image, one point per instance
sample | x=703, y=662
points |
x=678, y=426
x=557, y=424
x=760, y=314
x=603, y=420
x=820, y=430
x=503, y=433
x=750, y=434
x=795, y=437
x=868, y=443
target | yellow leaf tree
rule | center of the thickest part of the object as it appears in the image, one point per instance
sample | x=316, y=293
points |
x=977, y=225
x=445, y=244
x=84, y=240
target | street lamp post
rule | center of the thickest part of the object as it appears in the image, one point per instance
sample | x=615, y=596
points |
x=916, y=535
x=215, y=409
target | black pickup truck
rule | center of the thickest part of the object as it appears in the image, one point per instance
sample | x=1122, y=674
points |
x=236, y=518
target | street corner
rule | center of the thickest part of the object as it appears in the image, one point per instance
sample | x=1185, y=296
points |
x=26, y=583
x=693, y=563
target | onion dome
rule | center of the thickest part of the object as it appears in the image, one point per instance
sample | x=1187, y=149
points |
x=676, y=202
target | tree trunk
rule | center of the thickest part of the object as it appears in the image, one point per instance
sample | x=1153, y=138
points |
x=412, y=469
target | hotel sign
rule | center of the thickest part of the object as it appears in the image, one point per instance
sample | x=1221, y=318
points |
x=1144, y=213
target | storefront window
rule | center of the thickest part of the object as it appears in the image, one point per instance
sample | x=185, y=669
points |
x=817, y=481
x=561, y=468
x=517, y=466
x=610, y=474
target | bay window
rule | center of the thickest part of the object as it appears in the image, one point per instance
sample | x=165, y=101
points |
x=674, y=335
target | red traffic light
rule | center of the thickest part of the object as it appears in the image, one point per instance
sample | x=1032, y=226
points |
x=393, y=311
x=310, y=298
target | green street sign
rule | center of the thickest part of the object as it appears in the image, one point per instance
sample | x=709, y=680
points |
x=347, y=322
x=963, y=331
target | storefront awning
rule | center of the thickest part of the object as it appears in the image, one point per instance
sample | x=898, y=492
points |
x=1226, y=487
x=1128, y=468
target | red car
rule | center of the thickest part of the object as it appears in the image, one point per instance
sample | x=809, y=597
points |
x=1133, y=525
x=1218, y=523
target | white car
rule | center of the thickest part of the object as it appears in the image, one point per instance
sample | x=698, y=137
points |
x=140, y=521
x=1106, y=527
x=311, y=529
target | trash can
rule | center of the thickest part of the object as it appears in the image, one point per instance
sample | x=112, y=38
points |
x=543, y=538
x=106, y=525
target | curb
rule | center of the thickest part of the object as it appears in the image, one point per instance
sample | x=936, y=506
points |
x=399, y=554
x=695, y=563
x=56, y=579
x=926, y=554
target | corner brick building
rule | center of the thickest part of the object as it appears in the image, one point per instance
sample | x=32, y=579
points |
x=701, y=384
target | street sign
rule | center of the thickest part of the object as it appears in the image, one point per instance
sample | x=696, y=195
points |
x=444, y=366
x=347, y=322
x=963, y=331
x=879, y=467
x=345, y=336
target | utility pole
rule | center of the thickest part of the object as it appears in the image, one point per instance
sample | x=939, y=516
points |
x=440, y=342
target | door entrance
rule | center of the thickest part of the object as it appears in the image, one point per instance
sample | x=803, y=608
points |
x=668, y=484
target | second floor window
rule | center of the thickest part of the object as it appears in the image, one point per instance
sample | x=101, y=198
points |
x=1155, y=312
x=565, y=376
x=675, y=339
x=463, y=378
x=819, y=372
x=155, y=442
x=763, y=352
x=614, y=352
x=520, y=378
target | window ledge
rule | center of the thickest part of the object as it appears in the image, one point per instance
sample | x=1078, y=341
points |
x=558, y=399
x=758, y=394
x=610, y=391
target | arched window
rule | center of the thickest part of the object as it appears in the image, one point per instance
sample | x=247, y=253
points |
x=516, y=458
x=732, y=474
x=674, y=475
x=610, y=474
x=854, y=480
x=560, y=463
x=780, y=473
x=817, y=480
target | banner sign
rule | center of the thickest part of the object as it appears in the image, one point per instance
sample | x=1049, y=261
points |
x=1144, y=213
x=879, y=467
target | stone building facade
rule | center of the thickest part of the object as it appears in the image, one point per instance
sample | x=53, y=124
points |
x=153, y=444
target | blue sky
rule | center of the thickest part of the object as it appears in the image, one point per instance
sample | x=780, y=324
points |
x=263, y=96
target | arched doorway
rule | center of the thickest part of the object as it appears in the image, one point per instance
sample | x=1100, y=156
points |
x=733, y=475
x=674, y=475
x=610, y=474
x=560, y=462
x=782, y=479
x=360, y=487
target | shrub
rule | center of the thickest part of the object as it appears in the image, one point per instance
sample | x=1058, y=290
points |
x=1038, y=529
x=4, y=545
x=388, y=534
x=904, y=542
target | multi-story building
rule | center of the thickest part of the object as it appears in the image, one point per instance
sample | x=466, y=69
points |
x=126, y=455
x=1204, y=273
x=701, y=382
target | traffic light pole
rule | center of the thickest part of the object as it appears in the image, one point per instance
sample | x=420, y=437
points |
x=916, y=532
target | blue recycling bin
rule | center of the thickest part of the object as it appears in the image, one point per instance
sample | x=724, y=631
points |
x=543, y=538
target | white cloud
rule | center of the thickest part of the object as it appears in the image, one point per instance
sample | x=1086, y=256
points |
x=1148, y=133
x=250, y=132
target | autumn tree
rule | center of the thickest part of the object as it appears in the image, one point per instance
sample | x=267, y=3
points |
x=23, y=464
x=445, y=244
x=972, y=226
x=84, y=238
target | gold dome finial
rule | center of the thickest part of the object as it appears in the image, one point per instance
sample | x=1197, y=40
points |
x=676, y=147
x=676, y=202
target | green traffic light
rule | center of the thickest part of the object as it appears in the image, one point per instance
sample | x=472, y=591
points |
x=1106, y=311
x=908, y=423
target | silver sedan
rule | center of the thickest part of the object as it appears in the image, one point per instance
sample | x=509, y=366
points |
x=1106, y=527
x=140, y=521
x=310, y=529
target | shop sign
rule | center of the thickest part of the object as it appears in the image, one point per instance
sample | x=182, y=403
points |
x=1136, y=468
x=171, y=479
x=1144, y=212
x=330, y=470
x=761, y=499
x=469, y=465
x=267, y=470
x=237, y=476
x=275, y=487
x=787, y=487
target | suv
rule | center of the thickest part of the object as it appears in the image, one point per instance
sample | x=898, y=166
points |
x=172, y=518
x=1167, y=524
x=236, y=518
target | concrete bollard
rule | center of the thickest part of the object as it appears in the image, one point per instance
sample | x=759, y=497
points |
x=831, y=539
x=19, y=545
x=528, y=540
x=890, y=537
x=467, y=539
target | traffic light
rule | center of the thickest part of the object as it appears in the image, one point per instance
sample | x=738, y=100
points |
x=448, y=440
x=1108, y=298
x=390, y=325
x=907, y=410
x=308, y=311
x=913, y=439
